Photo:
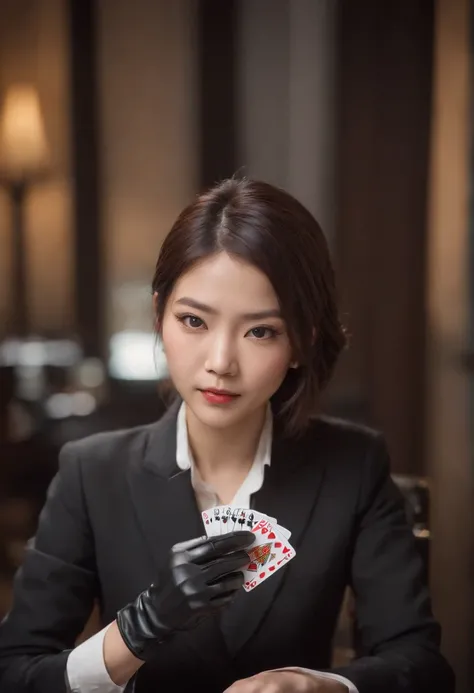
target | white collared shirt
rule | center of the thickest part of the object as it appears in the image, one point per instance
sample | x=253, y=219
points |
x=86, y=671
x=205, y=495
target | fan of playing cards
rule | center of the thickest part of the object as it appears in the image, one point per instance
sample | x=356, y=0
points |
x=271, y=549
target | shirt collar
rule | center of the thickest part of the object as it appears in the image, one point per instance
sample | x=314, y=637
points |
x=184, y=457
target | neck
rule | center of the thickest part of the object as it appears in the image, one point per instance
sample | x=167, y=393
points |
x=230, y=449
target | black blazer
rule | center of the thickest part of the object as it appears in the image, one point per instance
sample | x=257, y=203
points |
x=119, y=502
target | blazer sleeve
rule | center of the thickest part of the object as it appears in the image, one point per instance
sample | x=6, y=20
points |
x=398, y=636
x=53, y=591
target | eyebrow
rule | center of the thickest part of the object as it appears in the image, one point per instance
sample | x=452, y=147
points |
x=259, y=315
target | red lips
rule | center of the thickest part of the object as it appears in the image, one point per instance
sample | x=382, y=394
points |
x=213, y=397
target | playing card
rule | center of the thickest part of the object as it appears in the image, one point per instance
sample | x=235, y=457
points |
x=270, y=552
x=212, y=521
x=283, y=531
x=240, y=522
x=234, y=520
x=226, y=518
x=249, y=518
x=208, y=520
x=226, y=522
x=271, y=549
x=272, y=537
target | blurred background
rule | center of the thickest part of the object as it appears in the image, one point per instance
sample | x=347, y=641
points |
x=115, y=113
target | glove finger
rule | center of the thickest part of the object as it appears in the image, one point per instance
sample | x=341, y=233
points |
x=216, y=547
x=226, y=586
x=189, y=544
x=199, y=594
x=225, y=565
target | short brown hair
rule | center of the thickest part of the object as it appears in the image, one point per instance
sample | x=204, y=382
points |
x=268, y=228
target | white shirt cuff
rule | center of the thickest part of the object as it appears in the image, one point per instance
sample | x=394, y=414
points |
x=85, y=668
x=323, y=675
x=86, y=671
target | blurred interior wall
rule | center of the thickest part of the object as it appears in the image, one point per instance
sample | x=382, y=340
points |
x=148, y=128
x=34, y=49
x=285, y=75
x=449, y=456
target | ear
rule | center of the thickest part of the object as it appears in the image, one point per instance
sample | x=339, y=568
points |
x=295, y=364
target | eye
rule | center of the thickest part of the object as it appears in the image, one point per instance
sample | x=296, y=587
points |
x=190, y=321
x=261, y=333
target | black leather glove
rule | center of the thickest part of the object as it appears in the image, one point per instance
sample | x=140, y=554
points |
x=203, y=575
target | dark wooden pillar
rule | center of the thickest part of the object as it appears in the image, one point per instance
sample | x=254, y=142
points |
x=385, y=73
x=88, y=247
x=217, y=90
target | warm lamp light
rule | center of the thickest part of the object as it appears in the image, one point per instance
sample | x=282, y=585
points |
x=24, y=159
x=24, y=151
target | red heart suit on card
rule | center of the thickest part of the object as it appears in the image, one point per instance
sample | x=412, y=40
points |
x=271, y=549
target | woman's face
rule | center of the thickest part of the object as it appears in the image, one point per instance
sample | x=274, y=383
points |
x=222, y=330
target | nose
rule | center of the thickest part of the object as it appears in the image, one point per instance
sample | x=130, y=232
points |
x=221, y=358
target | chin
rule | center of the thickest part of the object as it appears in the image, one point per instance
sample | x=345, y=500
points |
x=217, y=418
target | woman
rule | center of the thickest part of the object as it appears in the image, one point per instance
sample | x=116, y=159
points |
x=244, y=300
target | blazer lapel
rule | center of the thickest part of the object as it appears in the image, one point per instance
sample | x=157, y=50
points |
x=167, y=513
x=162, y=493
x=289, y=493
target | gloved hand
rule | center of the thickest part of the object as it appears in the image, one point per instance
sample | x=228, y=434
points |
x=203, y=575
